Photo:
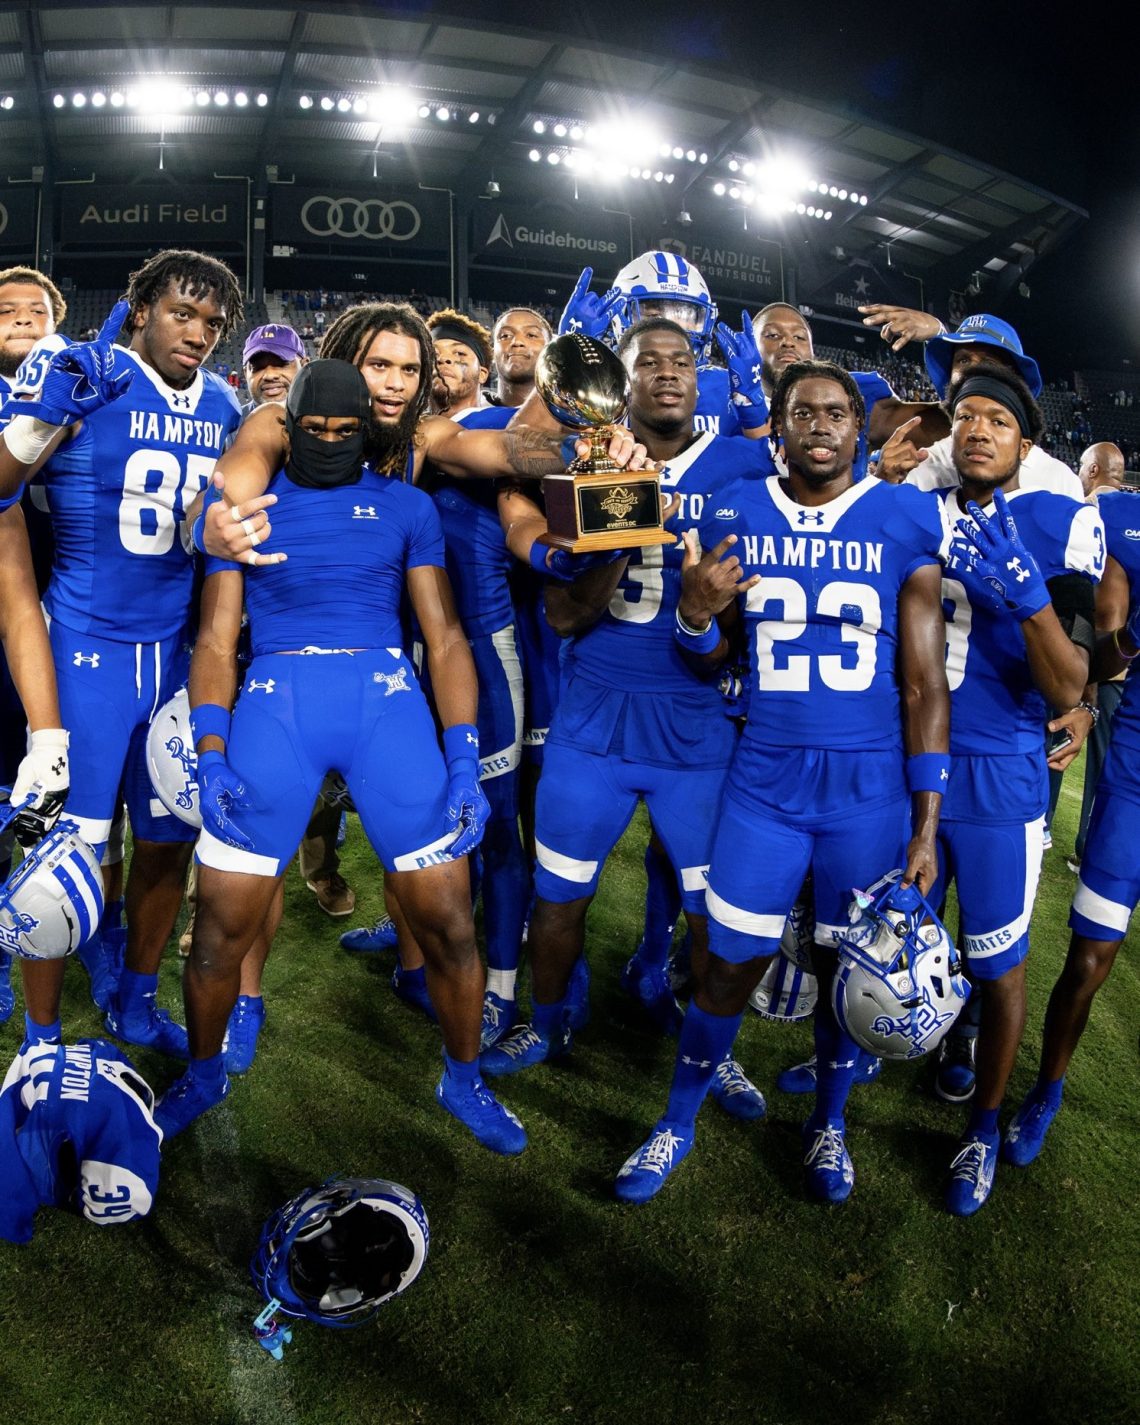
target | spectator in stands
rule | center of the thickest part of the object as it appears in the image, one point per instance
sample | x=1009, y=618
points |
x=271, y=359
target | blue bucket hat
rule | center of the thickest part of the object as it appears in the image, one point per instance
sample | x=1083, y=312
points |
x=981, y=330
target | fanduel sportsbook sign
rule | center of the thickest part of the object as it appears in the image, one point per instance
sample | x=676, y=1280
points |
x=749, y=270
x=406, y=224
x=190, y=215
x=549, y=235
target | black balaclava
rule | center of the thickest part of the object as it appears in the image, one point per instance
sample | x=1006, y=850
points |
x=326, y=388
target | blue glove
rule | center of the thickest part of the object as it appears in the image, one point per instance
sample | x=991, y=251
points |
x=587, y=313
x=468, y=810
x=560, y=564
x=745, y=369
x=79, y=379
x=992, y=554
x=220, y=792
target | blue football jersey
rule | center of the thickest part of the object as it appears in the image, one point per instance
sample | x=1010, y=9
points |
x=118, y=495
x=349, y=548
x=478, y=561
x=995, y=707
x=714, y=410
x=821, y=626
x=632, y=647
x=76, y=1131
x=1120, y=512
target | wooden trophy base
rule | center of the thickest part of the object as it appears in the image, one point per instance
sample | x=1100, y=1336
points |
x=614, y=509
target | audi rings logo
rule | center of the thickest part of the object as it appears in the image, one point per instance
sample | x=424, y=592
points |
x=367, y=218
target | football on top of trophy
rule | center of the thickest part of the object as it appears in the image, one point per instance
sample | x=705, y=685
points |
x=582, y=382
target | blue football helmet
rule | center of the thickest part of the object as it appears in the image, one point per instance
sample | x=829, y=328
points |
x=900, y=985
x=52, y=902
x=336, y=1253
x=664, y=284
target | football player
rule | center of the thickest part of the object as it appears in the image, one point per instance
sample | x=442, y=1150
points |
x=1107, y=886
x=119, y=472
x=462, y=349
x=1018, y=597
x=633, y=720
x=840, y=765
x=31, y=307
x=330, y=690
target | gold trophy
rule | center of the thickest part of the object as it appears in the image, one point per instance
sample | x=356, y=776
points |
x=595, y=505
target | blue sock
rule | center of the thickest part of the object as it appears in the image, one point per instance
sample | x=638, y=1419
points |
x=209, y=1071
x=46, y=1033
x=1048, y=1092
x=462, y=1071
x=662, y=907
x=414, y=979
x=546, y=1019
x=506, y=892
x=983, y=1122
x=135, y=991
x=705, y=1040
x=836, y=1060
x=112, y=915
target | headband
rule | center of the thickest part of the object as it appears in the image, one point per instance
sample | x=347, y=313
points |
x=997, y=391
x=452, y=331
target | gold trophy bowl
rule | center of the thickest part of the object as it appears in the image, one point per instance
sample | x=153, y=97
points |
x=594, y=505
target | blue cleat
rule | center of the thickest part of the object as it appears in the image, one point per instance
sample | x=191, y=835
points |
x=1025, y=1136
x=650, y=987
x=829, y=1174
x=643, y=1174
x=411, y=988
x=245, y=1022
x=7, y=993
x=186, y=1099
x=371, y=939
x=522, y=1049
x=151, y=1027
x=972, y=1174
x=100, y=959
x=499, y=1015
x=493, y=1125
x=578, y=994
x=735, y=1092
x=801, y=1078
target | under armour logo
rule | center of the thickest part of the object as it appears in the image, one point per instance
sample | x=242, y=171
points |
x=364, y=512
x=944, y=775
x=472, y=738
x=80, y=658
x=757, y=371
x=253, y=685
x=58, y=767
x=576, y=325
x=696, y=1063
x=1016, y=568
x=179, y=402
x=806, y=517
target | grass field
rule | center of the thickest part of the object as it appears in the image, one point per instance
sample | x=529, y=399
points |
x=730, y=1298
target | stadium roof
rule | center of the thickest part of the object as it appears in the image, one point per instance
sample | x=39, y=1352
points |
x=119, y=91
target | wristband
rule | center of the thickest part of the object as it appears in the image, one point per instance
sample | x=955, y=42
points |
x=928, y=772
x=460, y=744
x=1127, y=657
x=210, y=720
x=537, y=557
x=697, y=640
x=54, y=739
x=1092, y=710
x=27, y=437
x=198, y=528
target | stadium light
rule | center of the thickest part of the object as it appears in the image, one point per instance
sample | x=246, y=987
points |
x=719, y=189
x=7, y=102
x=98, y=99
x=221, y=99
x=534, y=155
x=305, y=101
x=343, y=105
x=118, y=99
x=78, y=100
x=326, y=103
x=262, y=100
x=576, y=133
x=360, y=106
x=554, y=158
x=443, y=113
x=473, y=116
x=559, y=131
x=202, y=98
x=424, y=111
x=539, y=126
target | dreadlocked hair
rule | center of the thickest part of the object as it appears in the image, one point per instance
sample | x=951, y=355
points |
x=814, y=370
x=193, y=273
x=354, y=331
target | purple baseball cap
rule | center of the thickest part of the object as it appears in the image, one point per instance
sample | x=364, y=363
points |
x=277, y=338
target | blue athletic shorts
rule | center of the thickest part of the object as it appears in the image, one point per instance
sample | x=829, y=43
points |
x=499, y=718
x=301, y=715
x=1108, y=886
x=585, y=802
x=760, y=858
x=108, y=693
x=996, y=868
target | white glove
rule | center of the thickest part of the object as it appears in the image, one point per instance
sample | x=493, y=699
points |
x=43, y=776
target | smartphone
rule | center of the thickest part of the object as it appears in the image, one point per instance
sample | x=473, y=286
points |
x=1058, y=741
